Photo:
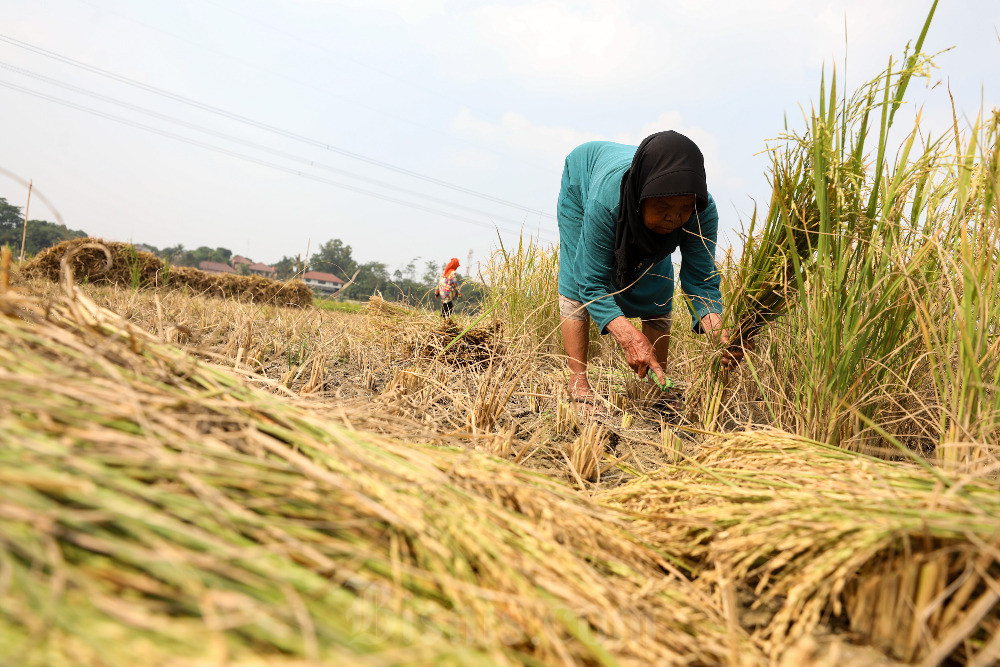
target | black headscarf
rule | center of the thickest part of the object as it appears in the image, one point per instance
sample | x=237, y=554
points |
x=666, y=163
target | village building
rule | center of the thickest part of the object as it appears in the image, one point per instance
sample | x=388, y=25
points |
x=259, y=269
x=322, y=283
x=215, y=267
x=239, y=259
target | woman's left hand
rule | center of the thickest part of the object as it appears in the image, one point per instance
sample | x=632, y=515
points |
x=711, y=324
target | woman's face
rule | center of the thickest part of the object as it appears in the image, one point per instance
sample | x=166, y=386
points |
x=663, y=215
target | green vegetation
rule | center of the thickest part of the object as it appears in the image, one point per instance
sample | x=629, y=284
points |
x=404, y=284
x=884, y=266
x=338, y=306
x=178, y=256
x=41, y=234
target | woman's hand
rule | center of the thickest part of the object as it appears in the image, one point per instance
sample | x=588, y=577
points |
x=639, y=354
x=711, y=324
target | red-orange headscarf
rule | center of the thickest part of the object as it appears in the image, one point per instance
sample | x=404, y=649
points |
x=451, y=267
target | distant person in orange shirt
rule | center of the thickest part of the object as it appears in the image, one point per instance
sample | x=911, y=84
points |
x=447, y=288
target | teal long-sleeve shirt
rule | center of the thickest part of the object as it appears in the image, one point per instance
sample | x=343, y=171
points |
x=587, y=212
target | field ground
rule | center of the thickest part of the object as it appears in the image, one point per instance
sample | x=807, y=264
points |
x=635, y=536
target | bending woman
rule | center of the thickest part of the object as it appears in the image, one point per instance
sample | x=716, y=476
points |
x=622, y=211
x=447, y=288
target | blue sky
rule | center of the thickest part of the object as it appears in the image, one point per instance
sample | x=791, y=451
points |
x=465, y=110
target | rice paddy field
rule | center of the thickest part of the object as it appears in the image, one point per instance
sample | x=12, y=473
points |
x=195, y=477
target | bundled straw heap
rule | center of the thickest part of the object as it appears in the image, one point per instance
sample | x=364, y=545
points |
x=128, y=267
x=474, y=346
x=907, y=556
x=154, y=506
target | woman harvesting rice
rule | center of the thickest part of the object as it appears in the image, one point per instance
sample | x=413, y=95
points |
x=447, y=288
x=622, y=211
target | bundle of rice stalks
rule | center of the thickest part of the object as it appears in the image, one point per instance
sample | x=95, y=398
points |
x=379, y=307
x=473, y=346
x=585, y=453
x=429, y=337
x=820, y=190
x=154, y=507
x=909, y=558
x=105, y=262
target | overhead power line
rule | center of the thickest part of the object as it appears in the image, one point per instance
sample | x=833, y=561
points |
x=250, y=158
x=354, y=101
x=265, y=126
x=246, y=143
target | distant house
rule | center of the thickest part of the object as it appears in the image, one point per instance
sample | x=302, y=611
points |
x=239, y=259
x=324, y=283
x=215, y=267
x=259, y=269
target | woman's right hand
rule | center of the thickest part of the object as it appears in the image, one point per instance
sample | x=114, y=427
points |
x=639, y=353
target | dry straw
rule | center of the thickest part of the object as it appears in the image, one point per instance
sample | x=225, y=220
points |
x=585, y=453
x=154, y=506
x=909, y=559
x=128, y=267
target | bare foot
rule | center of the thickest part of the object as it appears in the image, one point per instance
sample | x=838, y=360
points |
x=581, y=394
x=579, y=387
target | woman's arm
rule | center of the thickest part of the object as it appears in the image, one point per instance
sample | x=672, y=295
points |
x=700, y=280
x=595, y=265
x=699, y=276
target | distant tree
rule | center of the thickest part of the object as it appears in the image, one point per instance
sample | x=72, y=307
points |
x=178, y=256
x=286, y=268
x=410, y=270
x=203, y=254
x=372, y=277
x=173, y=254
x=243, y=269
x=41, y=235
x=334, y=257
x=10, y=215
x=431, y=272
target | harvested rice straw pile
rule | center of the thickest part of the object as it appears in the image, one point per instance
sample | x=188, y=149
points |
x=909, y=557
x=154, y=507
x=125, y=266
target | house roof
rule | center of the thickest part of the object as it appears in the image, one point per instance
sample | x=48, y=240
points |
x=319, y=275
x=261, y=267
x=239, y=259
x=218, y=267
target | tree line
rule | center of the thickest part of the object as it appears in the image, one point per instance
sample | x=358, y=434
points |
x=41, y=234
x=413, y=282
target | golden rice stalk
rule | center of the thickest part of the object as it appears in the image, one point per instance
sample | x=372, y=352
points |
x=4, y=269
x=379, y=307
x=567, y=419
x=584, y=454
x=820, y=190
x=907, y=555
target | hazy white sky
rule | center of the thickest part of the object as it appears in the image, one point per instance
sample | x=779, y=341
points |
x=253, y=124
